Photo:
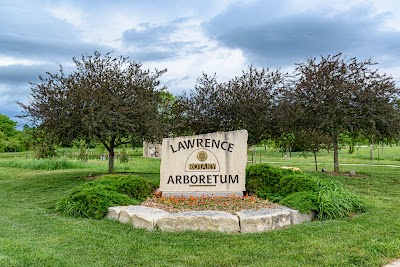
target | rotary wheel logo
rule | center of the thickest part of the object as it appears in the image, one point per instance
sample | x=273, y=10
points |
x=202, y=156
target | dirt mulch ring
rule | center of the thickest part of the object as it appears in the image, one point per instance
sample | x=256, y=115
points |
x=229, y=204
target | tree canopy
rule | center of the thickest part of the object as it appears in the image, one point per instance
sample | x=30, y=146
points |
x=108, y=99
x=114, y=101
x=337, y=95
x=7, y=126
x=244, y=102
x=9, y=135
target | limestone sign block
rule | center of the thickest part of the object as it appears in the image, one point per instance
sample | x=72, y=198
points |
x=212, y=163
x=142, y=217
x=200, y=221
x=114, y=212
x=151, y=150
x=252, y=221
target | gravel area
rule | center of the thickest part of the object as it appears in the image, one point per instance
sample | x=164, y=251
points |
x=227, y=204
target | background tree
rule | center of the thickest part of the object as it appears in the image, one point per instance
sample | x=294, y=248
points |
x=9, y=135
x=252, y=99
x=7, y=126
x=26, y=137
x=202, y=111
x=336, y=95
x=311, y=141
x=376, y=108
x=107, y=99
x=244, y=102
x=3, y=142
x=45, y=144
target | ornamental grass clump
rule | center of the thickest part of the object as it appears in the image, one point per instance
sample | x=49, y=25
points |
x=93, y=199
x=327, y=197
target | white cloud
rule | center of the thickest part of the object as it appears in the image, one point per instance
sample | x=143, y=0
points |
x=183, y=73
x=36, y=36
x=10, y=61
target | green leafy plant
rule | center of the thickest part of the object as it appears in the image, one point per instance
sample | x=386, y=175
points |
x=92, y=202
x=124, y=157
x=93, y=199
x=302, y=191
x=262, y=180
x=133, y=186
x=302, y=201
x=83, y=155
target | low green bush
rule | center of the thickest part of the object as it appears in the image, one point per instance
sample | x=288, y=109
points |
x=93, y=199
x=133, y=186
x=92, y=202
x=302, y=201
x=262, y=180
x=327, y=197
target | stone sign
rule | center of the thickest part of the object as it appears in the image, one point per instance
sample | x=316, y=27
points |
x=151, y=150
x=206, y=164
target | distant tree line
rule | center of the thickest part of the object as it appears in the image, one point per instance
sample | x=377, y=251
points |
x=311, y=109
x=13, y=140
x=113, y=101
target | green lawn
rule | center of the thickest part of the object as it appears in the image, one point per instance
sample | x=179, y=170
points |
x=31, y=234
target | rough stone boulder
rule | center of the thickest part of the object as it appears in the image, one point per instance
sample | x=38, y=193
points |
x=252, y=221
x=114, y=212
x=142, y=217
x=298, y=217
x=200, y=221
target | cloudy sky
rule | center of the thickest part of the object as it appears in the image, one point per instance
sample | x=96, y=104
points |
x=189, y=37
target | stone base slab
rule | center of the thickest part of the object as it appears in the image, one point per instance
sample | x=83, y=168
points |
x=142, y=217
x=245, y=221
x=217, y=221
x=261, y=220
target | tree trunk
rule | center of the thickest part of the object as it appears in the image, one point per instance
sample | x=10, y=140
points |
x=111, y=160
x=351, y=147
x=372, y=151
x=335, y=155
x=315, y=160
x=378, y=153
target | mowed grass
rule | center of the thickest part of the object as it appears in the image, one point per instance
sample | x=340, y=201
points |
x=31, y=234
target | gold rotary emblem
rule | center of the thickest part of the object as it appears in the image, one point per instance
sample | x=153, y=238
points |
x=202, y=156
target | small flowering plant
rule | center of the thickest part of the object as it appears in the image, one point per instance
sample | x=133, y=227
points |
x=208, y=202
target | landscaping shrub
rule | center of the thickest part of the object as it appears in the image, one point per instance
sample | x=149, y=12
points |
x=302, y=191
x=297, y=182
x=92, y=202
x=302, y=201
x=93, y=199
x=262, y=180
x=133, y=186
